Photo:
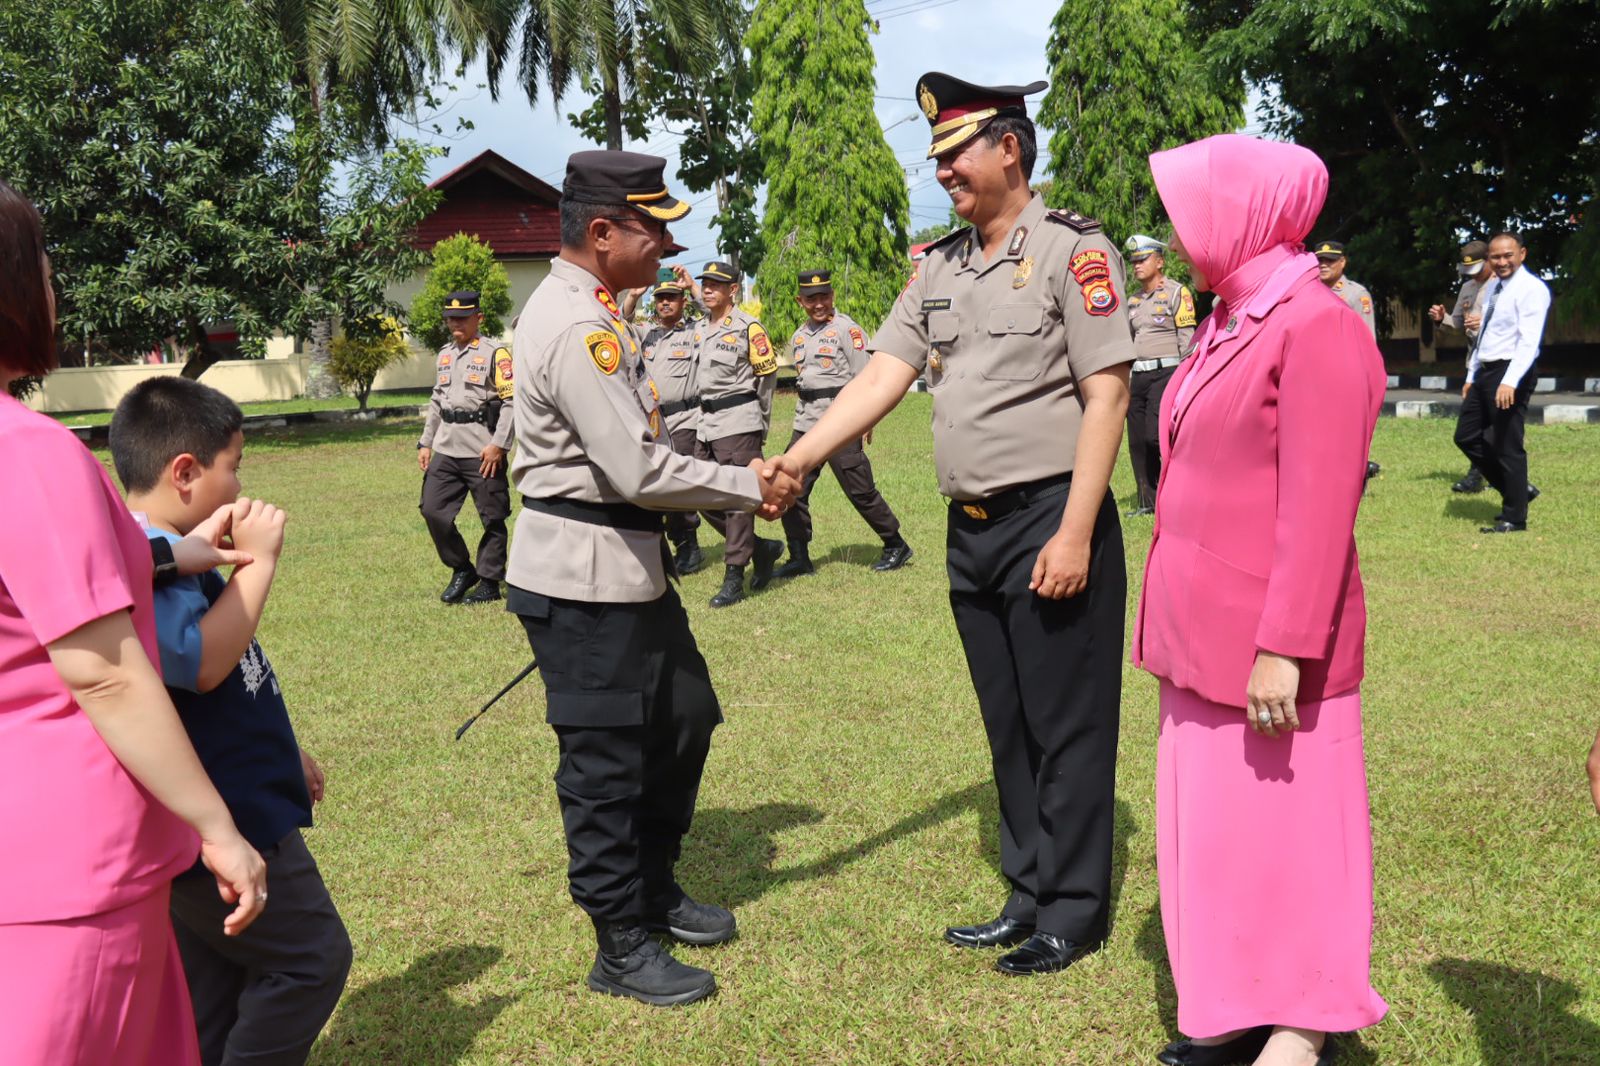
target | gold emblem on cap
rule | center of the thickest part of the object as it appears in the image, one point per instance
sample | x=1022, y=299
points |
x=930, y=106
x=816, y=279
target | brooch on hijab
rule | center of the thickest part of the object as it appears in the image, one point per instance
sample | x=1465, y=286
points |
x=1233, y=322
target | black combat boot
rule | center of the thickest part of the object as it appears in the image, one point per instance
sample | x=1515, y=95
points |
x=896, y=553
x=690, y=559
x=460, y=582
x=799, y=563
x=486, y=592
x=767, y=554
x=732, y=590
x=630, y=963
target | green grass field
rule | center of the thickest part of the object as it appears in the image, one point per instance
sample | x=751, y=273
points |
x=847, y=813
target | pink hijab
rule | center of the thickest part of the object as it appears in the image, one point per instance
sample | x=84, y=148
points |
x=1242, y=208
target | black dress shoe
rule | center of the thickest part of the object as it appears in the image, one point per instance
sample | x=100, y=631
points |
x=767, y=554
x=1003, y=932
x=460, y=582
x=1473, y=482
x=894, y=557
x=1502, y=526
x=1242, y=1048
x=1533, y=492
x=1043, y=953
x=486, y=592
x=1373, y=469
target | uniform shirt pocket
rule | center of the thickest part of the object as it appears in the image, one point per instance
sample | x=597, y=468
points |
x=1016, y=354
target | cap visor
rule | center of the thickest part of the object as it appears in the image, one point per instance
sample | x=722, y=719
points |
x=955, y=138
x=1470, y=269
x=456, y=312
x=812, y=290
x=666, y=209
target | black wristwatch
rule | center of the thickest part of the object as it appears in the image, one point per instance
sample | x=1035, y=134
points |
x=166, y=564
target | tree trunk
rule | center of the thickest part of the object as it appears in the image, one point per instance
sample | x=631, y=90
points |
x=203, y=355
x=613, y=99
x=319, y=382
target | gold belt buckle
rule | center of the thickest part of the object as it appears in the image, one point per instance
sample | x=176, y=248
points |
x=975, y=511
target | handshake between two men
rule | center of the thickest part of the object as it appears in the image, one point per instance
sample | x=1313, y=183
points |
x=779, y=488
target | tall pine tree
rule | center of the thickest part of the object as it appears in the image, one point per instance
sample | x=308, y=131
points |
x=836, y=197
x=1126, y=80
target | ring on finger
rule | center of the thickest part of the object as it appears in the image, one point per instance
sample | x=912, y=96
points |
x=1264, y=717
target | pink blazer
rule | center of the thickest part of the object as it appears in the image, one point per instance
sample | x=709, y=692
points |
x=1263, y=466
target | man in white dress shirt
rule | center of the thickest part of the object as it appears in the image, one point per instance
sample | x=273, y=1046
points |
x=1500, y=379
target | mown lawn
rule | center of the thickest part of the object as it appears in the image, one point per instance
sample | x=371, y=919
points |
x=847, y=813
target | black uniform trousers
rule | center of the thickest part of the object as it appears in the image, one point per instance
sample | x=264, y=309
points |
x=681, y=525
x=736, y=527
x=1491, y=439
x=853, y=470
x=1145, y=388
x=1048, y=674
x=630, y=699
x=444, y=486
x=261, y=998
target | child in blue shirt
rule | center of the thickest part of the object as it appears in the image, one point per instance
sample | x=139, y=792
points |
x=263, y=996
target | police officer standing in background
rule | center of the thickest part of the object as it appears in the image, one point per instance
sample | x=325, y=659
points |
x=1475, y=274
x=737, y=370
x=830, y=349
x=463, y=449
x=1161, y=315
x=626, y=689
x=1018, y=325
x=1331, y=263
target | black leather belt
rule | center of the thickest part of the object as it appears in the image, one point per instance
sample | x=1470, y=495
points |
x=616, y=515
x=813, y=395
x=677, y=407
x=722, y=403
x=1003, y=503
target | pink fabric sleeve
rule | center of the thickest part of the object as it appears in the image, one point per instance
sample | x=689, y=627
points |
x=59, y=549
x=1325, y=420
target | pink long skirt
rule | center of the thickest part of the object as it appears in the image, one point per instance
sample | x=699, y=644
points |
x=106, y=990
x=1264, y=855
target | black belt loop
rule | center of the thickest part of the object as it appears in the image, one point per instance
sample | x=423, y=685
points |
x=722, y=403
x=616, y=515
x=1003, y=503
x=813, y=395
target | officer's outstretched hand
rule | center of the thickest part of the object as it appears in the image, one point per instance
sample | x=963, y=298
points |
x=1062, y=569
x=779, y=489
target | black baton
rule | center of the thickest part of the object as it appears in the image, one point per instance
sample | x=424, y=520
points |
x=515, y=681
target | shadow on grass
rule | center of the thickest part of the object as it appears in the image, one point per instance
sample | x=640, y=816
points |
x=1480, y=509
x=412, y=1017
x=1521, y=1016
x=860, y=556
x=1448, y=476
x=733, y=849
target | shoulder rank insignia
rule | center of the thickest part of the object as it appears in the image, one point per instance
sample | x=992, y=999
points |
x=607, y=301
x=1081, y=223
x=1018, y=239
x=604, y=349
x=1024, y=271
x=762, y=359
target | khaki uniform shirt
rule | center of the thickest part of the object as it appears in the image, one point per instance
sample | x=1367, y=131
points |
x=589, y=428
x=734, y=356
x=1163, y=324
x=1004, y=343
x=826, y=357
x=1359, y=300
x=1468, y=301
x=465, y=379
x=669, y=356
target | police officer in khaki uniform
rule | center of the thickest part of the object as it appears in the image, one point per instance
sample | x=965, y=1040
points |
x=1161, y=315
x=1466, y=317
x=1019, y=327
x=626, y=689
x=463, y=449
x=669, y=355
x=1331, y=263
x=829, y=349
x=736, y=369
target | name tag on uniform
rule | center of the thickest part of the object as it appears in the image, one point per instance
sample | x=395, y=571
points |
x=935, y=305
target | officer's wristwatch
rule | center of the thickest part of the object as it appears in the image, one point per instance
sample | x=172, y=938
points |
x=420, y=445
x=166, y=564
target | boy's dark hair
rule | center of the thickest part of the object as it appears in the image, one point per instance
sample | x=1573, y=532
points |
x=162, y=418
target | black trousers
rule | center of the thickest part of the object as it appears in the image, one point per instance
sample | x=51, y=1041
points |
x=1491, y=439
x=263, y=996
x=444, y=487
x=853, y=470
x=736, y=527
x=682, y=525
x=1145, y=388
x=630, y=699
x=1048, y=674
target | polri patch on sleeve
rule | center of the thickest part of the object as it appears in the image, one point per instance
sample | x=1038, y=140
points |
x=1089, y=264
x=502, y=373
x=762, y=359
x=604, y=349
x=1099, y=298
x=1185, y=315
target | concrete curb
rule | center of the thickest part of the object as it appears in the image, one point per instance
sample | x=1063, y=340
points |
x=1538, y=415
x=98, y=434
x=1453, y=383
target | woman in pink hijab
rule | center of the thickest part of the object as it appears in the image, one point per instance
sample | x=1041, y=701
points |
x=1252, y=616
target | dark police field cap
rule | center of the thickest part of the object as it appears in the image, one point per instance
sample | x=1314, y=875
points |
x=628, y=178
x=958, y=110
x=669, y=289
x=1329, y=250
x=1473, y=253
x=815, y=281
x=463, y=304
x=718, y=271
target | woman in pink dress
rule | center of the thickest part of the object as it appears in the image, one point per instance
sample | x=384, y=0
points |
x=1252, y=616
x=104, y=800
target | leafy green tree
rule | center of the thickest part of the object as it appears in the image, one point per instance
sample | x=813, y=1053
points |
x=933, y=233
x=1126, y=80
x=1439, y=120
x=355, y=359
x=460, y=262
x=836, y=197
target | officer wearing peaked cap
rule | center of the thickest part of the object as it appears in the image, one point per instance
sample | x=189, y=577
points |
x=1161, y=315
x=626, y=689
x=1331, y=263
x=1018, y=325
x=463, y=449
